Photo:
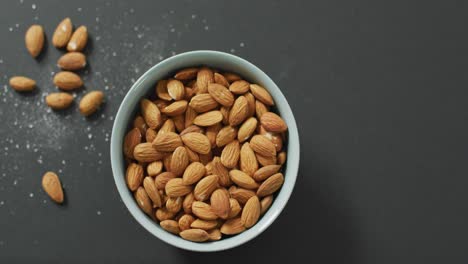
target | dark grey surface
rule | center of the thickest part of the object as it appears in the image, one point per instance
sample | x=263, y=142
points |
x=378, y=88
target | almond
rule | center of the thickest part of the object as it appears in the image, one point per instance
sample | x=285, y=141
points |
x=212, y=133
x=270, y=185
x=225, y=112
x=167, y=142
x=205, y=187
x=265, y=160
x=72, y=61
x=242, y=179
x=221, y=94
x=186, y=74
x=239, y=87
x=230, y=154
x=248, y=161
x=192, y=155
x=154, y=168
x=232, y=226
x=22, y=84
x=262, y=146
x=62, y=33
x=272, y=122
x=176, y=108
x=231, y=77
x=219, y=79
x=225, y=136
x=214, y=234
x=203, y=103
x=175, y=89
x=91, y=102
x=171, y=226
x=59, y=101
x=251, y=212
x=163, y=214
x=174, y=204
x=203, y=211
x=235, y=208
x=161, y=180
x=204, y=77
x=220, y=204
x=195, y=235
x=34, y=40
x=143, y=200
x=150, y=134
x=204, y=224
x=179, y=161
x=194, y=172
x=78, y=39
x=187, y=203
x=161, y=90
x=189, y=93
x=197, y=142
x=150, y=113
x=179, y=122
x=265, y=172
x=134, y=176
x=167, y=161
x=223, y=174
x=239, y=111
x=260, y=109
x=251, y=104
x=52, y=186
x=241, y=195
x=144, y=152
x=185, y=221
x=67, y=81
x=208, y=118
x=140, y=123
x=281, y=158
x=247, y=129
x=192, y=128
x=176, y=188
x=266, y=203
x=152, y=191
x=190, y=115
x=132, y=139
x=168, y=126
x=261, y=94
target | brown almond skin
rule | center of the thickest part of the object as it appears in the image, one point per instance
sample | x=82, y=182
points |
x=78, y=40
x=52, y=186
x=34, y=40
x=132, y=139
x=72, y=61
x=251, y=212
x=273, y=122
x=67, y=80
x=59, y=101
x=62, y=33
x=195, y=235
x=91, y=102
x=22, y=83
x=270, y=185
x=186, y=74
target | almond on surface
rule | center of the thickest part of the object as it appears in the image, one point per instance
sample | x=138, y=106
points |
x=34, y=39
x=62, y=33
x=22, y=83
x=67, y=80
x=72, y=61
x=52, y=186
x=78, y=39
x=59, y=101
x=91, y=102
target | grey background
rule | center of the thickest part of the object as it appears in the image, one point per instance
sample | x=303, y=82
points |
x=378, y=88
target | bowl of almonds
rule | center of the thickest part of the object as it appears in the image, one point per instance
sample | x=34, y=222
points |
x=205, y=151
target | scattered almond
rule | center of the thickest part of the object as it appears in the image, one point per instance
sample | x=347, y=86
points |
x=72, y=61
x=78, y=39
x=67, y=80
x=91, y=102
x=62, y=33
x=52, y=186
x=34, y=40
x=22, y=84
x=59, y=101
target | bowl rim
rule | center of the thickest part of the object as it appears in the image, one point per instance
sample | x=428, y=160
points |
x=292, y=161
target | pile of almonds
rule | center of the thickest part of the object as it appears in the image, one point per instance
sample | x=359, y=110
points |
x=204, y=158
x=66, y=80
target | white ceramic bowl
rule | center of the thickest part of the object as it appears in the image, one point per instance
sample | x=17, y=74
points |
x=145, y=85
